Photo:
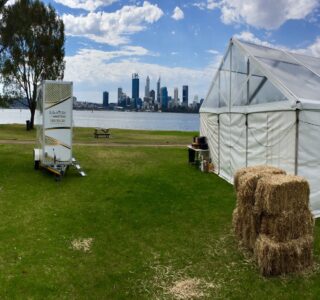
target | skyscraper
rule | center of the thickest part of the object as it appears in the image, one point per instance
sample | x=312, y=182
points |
x=135, y=89
x=147, y=88
x=152, y=95
x=105, y=102
x=164, y=98
x=158, y=90
x=185, y=95
x=119, y=95
x=175, y=96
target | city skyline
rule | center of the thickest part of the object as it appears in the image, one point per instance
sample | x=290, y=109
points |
x=153, y=99
x=180, y=42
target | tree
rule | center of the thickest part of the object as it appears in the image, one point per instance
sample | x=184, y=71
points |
x=32, y=36
x=3, y=99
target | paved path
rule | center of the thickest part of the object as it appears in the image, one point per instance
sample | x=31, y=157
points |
x=32, y=142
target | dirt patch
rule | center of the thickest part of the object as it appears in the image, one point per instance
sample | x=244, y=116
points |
x=82, y=244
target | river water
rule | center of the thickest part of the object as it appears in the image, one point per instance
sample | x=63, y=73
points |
x=115, y=119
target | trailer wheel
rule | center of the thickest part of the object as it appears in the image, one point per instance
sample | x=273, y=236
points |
x=36, y=164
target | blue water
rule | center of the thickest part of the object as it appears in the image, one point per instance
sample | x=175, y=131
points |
x=115, y=119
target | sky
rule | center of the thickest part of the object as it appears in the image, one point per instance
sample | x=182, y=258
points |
x=180, y=41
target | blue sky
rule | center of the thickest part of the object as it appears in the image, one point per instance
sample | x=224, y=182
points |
x=181, y=41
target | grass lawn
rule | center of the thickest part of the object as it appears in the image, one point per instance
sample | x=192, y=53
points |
x=118, y=136
x=153, y=219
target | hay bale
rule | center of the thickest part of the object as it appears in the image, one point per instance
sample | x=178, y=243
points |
x=255, y=169
x=246, y=227
x=246, y=190
x=276, y=194
x=287, y=225
x=246, y=221
x=276, y=258
x=247, y=180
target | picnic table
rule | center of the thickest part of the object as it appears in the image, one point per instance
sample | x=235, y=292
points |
x=101, y=132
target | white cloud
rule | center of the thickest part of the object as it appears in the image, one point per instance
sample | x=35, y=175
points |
x=93, y=71
x=313, y=49
x=200, y=5
x=210, y=4
x=212, y=51
x=260, y=13
x=93, y=55
x=250, y=37
x=112, y=28
x=90, y=5
x=177, y=14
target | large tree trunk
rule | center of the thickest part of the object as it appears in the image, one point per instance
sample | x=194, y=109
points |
x=32, y=112
x=33, y=105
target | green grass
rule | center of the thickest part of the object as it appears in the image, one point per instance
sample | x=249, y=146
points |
x=118, y=136
x=153, y=219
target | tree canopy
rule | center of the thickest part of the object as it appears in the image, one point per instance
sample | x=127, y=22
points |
x=32, y=36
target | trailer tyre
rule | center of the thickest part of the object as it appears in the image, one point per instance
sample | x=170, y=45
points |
x=36, y=164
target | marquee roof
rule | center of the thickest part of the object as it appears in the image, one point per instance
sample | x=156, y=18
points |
x=255, y=77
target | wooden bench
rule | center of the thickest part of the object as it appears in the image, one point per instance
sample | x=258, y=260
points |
x=103, y=132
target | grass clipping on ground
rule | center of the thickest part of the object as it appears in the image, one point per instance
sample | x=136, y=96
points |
x=272, y=219
x=189, y=288
x=82, y=244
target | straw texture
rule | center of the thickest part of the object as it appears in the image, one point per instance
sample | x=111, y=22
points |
x=287, y=226
x=275, y=194
x=255, y=169
x=275, y=258
x=272, y=219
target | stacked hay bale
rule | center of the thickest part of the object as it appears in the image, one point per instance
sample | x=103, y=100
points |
x=246, y=219
x=273, y=220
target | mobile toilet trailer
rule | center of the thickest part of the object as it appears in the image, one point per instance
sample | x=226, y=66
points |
x=54, y=128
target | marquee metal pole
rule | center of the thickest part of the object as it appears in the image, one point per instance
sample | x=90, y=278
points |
x=296, y=144
x=246, y=140
x=218, y=120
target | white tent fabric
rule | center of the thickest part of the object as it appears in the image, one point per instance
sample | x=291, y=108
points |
x=271, y=139
x=263, y=107
x=209, y=127
x=309, y=154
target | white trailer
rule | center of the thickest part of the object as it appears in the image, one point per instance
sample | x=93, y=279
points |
x=54, y=127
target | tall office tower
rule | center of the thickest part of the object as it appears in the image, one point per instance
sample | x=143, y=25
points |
x=175, y=96
x=185, y=95
x=105, y=99
x=164, y=98
x=158, y=90
x=135, y=89
x=120, y=93
x=147, y=88
x=152, y=95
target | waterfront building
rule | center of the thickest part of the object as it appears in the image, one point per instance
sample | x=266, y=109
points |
x=105, y=99
x=185, y=95
x=135, y=90
x=152, y=95
x=120, y=93
x=164, y=98
x=176, y=97
x=158, y=90
x=147, y=88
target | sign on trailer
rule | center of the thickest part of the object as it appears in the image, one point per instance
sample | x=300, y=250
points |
x=54, y=127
